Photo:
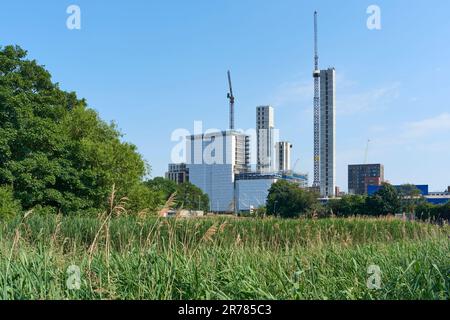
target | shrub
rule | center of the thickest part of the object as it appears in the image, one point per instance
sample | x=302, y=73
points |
x=9, y=207
x=287, y=200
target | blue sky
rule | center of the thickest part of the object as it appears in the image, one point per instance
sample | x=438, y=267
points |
x=155, y=66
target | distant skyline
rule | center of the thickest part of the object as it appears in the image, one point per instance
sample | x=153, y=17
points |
x=156, y=66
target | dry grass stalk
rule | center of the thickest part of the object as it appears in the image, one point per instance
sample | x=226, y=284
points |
x=223, y=226
x=208, y=236
x=168, y=205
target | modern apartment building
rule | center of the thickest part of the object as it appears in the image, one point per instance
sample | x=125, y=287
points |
x=328, y=133
x=283, y=156
x=360, y=176
x=213, y=160
x=265, y=140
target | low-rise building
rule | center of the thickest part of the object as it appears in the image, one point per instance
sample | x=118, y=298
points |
x=252, y=190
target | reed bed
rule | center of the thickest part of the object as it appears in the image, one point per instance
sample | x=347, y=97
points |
x=139, y=257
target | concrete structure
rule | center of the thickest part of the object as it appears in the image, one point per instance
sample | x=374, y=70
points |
x=213, y=160
x=265, y=140
x=360, y=176
x=178, y=173
x=252, y=190
x=283, y=156
x=328, y=133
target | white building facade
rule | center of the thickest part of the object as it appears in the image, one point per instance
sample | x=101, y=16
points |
x=265, y=139
x=283, y=156
x=213, y=160
x=252, y=190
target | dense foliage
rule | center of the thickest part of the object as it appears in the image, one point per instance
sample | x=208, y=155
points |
x=287, y=200
x=186, y=195
x=9, y=206
x=54, y=150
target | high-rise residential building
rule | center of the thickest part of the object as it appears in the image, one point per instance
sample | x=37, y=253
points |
x=178, y=173
x=360, y=176
x=283, y=156
x=213, y=160
x=265, y=140
x=327, y=132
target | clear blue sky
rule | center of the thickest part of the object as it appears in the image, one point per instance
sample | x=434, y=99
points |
x=155, y=66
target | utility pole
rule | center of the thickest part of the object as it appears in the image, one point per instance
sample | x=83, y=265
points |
x=230, y=96
x=316, y=76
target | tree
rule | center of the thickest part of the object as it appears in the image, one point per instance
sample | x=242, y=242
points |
x=287, y=200
x=409, y=195
x=141, y=197
x=347, y=206
x=190, y=197
x=54, y=150
x=9, y=207
x=164, y=187
x=384, y=202
x=426, y=210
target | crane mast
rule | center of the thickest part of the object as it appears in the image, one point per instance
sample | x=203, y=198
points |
x=316, y=76
x=230, y=96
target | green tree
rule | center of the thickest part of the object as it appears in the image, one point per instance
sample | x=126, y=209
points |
x=384, y=202
x=347, y=206
x=9, y=207
x=191, y=197
x=54, y=150
x=426, y=210
x=409, y=197
x=141, y=197
x=164, y=187
x=287, y=200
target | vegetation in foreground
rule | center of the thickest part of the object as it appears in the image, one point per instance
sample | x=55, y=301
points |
x=124, y=257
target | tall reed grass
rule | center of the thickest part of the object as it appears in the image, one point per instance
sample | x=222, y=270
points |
x=140, y=257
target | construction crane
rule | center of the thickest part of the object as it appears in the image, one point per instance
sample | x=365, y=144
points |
x=295, y=165
x=230, y=96
x=316, y=76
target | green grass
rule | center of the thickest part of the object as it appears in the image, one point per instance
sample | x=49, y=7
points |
x=218, y=258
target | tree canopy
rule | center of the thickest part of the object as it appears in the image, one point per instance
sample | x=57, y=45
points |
x=287, y=200
x=54, y=150
x=188, y=196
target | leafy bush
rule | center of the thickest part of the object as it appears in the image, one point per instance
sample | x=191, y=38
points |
x=142, y=197
x=351, y=205
x=287, y=200
x=384, y=202
x=9, y=207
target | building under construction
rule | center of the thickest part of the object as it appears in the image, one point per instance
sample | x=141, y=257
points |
x=324, y=125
